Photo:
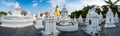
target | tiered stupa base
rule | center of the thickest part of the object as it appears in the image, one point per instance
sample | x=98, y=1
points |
x=108, y=25
x=67, y=28
x=91, y=30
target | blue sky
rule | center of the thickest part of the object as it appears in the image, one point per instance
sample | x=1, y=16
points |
x=39, y=6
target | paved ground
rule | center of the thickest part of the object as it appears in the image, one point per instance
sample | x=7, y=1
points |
x=27, y=31
x=75, y=33
x=106, y=32
x=31, y=31
x=111, y=31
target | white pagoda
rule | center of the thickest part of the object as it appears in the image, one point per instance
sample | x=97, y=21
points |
x=39, y=23
x=16, y=20
x=116, y=18
x=50, y=25
x=64, y=17
x=80, y=20
x=92, y=22
x=66, y=23
x=110, y=19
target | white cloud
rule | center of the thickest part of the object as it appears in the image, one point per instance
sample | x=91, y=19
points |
x=54, y=2
x=40, y=0
x=80, y=4
x=76, y=4
x=8, y=3
x=37, y=1
x=35, y=4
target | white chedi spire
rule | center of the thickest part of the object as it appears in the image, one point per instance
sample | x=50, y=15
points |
x=80, y=19
x=17, y=11
x=50, y=25
x=64, y=9
x=110, y=20
x=92, y=12
x=116, y=18
x=17, y=6
x=38, y=15
x=28, y=13
x=92, y=22
x=109, y=13
x=109, y=16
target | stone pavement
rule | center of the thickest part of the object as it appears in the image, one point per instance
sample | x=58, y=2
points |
x=31, y=31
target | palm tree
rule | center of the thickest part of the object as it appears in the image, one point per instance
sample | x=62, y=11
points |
x=113, y=5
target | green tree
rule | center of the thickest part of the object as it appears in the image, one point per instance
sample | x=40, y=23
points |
x=24, y=13
x=85, y=10
x=9, y=12
x=3, y=13
x=113, y=5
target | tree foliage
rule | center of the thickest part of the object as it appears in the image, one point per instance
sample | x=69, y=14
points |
x=3, y=13
x=104, y=10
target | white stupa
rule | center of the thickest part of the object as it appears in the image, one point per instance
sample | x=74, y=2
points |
x=16, y=19
x=39, y=23
x=64, y=17
x=66, y=23
x=92, y=22
x=17, y=11
x=50, y=25
x=110, y=19
x=116, y=18
x=29, y=13
x=80, y=20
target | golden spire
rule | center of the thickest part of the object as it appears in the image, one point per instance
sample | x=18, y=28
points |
x=57, y=11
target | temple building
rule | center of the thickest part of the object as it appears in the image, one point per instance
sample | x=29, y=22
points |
x=17, y=10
